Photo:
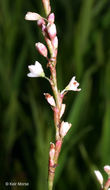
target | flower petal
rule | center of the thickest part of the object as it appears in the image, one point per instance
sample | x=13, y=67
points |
x=99, y=177
x=64, y=128
x=32, y=16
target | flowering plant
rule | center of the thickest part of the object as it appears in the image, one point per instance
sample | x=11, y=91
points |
x=49, y=32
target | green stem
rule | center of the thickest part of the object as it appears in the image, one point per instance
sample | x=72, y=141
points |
x=46, y=5
x=50, y=183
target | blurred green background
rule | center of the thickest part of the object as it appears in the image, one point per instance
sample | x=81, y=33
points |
x=26, y=120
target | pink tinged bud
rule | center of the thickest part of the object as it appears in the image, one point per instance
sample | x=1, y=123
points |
x=50, y=99
x=62, y=110
x=107, y=169
x=36, y=70
x=64, y=128
x=99, y=177
x=51, y=18
x=32, y=16
x=51, y=29
x=55, y=42
x=51, y=154
x=40, y=22
x=41, y=49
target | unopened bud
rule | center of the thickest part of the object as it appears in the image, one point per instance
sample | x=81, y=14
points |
x=51, y=29
x=44, y=29
x=55, y=42
x=107, y=169
x=51, y=154
x=40, y=22
x=50, y=99
x=51, y=18
x=41, y=49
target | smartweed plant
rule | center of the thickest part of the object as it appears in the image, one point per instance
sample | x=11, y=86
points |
x=48, y=28
x=50, y=51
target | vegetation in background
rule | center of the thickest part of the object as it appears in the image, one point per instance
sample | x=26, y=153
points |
x=26, y=121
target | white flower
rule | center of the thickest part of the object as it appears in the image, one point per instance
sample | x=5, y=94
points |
x=107, y=169
x=73, y=85
x=32, y=16
x=36, y=70
x=50, y=99
x=99, y=177
x=64, y=128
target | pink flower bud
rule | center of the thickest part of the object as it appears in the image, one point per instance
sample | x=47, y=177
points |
x=40, y=22
x=51, y=154
x=51, y=18
x=50, y=99
x=107, y=169
x=51, y=29
x=41, y=49
x=55, y=42
x=32, y=16
x=64, y=128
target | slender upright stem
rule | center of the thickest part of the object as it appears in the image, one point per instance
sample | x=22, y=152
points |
x=58, y=100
